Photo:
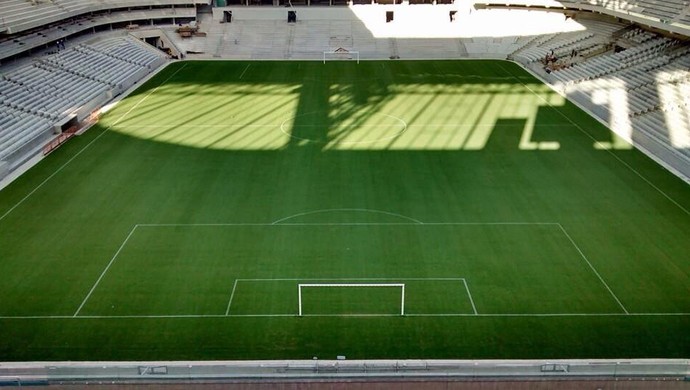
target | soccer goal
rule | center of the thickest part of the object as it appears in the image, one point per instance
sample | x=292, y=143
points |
x=340, y=54
x=302, y=286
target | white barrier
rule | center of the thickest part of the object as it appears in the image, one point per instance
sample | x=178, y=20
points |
x=32, y=372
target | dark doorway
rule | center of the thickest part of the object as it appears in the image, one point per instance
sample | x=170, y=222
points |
x=389, y=16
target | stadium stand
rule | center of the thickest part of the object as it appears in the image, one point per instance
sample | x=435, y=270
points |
x=26, y=42
x=22, y=15
x=39, y=99
x=19, y=129
x=646, y=76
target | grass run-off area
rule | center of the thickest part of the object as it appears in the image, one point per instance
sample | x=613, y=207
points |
x=182, y=225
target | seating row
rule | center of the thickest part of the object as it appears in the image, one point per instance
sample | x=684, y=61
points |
x=48, y=35
x=18, y=129
x=21, y=15
x=654, y=75
x=37, y=97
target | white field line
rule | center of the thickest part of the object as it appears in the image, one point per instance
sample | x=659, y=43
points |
x=245, y=71
x=592, y=267
x=107, y=267
x=353, y=315
x=232, y=295
x=263, y=315
x=474, y=308
x=227, y=312
x=373, y=211
x=60, y=168
x=201, y=224
x=345, y=279
x=610, y=152
x=240, y=224
x=175, y=125
x=231, y=125
x=450, y=124
x=182, y=316
x=482, y=125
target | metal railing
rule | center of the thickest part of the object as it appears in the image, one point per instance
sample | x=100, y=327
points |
x=41, y=372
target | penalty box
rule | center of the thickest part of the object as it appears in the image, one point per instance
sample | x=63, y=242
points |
x=193, y=269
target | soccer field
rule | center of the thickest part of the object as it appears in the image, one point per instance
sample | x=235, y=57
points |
x=387, y=209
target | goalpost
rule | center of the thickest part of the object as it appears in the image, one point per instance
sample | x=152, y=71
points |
x=340, y=54
x=401, y=286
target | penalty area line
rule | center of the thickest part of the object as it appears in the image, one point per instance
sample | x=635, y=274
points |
x=245, y=71
x=592, y=268
x=107, y=267
x=183, y=316
x=232, y=295
x=474, y=308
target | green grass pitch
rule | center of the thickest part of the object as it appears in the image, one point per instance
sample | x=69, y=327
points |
x=181, y=226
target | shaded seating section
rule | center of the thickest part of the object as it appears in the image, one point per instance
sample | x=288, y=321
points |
x=47, y=91
x=111, y=63
x=662, y=10
x=56, y=85
x=38, y=98
x=561, y=46
x=22, y=15
x=645, y=56
x=684, y=16
x=16, y=45
x=18, y=129
x=649, y=88
x=637, y=81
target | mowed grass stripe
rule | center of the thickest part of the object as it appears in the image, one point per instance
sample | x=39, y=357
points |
x=480, y=147
x=681, y=207
x=190, y=269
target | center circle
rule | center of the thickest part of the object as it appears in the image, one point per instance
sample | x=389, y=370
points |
x=310, y=127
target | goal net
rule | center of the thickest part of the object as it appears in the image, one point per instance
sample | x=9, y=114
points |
x=340, y=54
x=303, y=286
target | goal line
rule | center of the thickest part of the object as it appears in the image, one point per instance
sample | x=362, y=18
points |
x=346, y=285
